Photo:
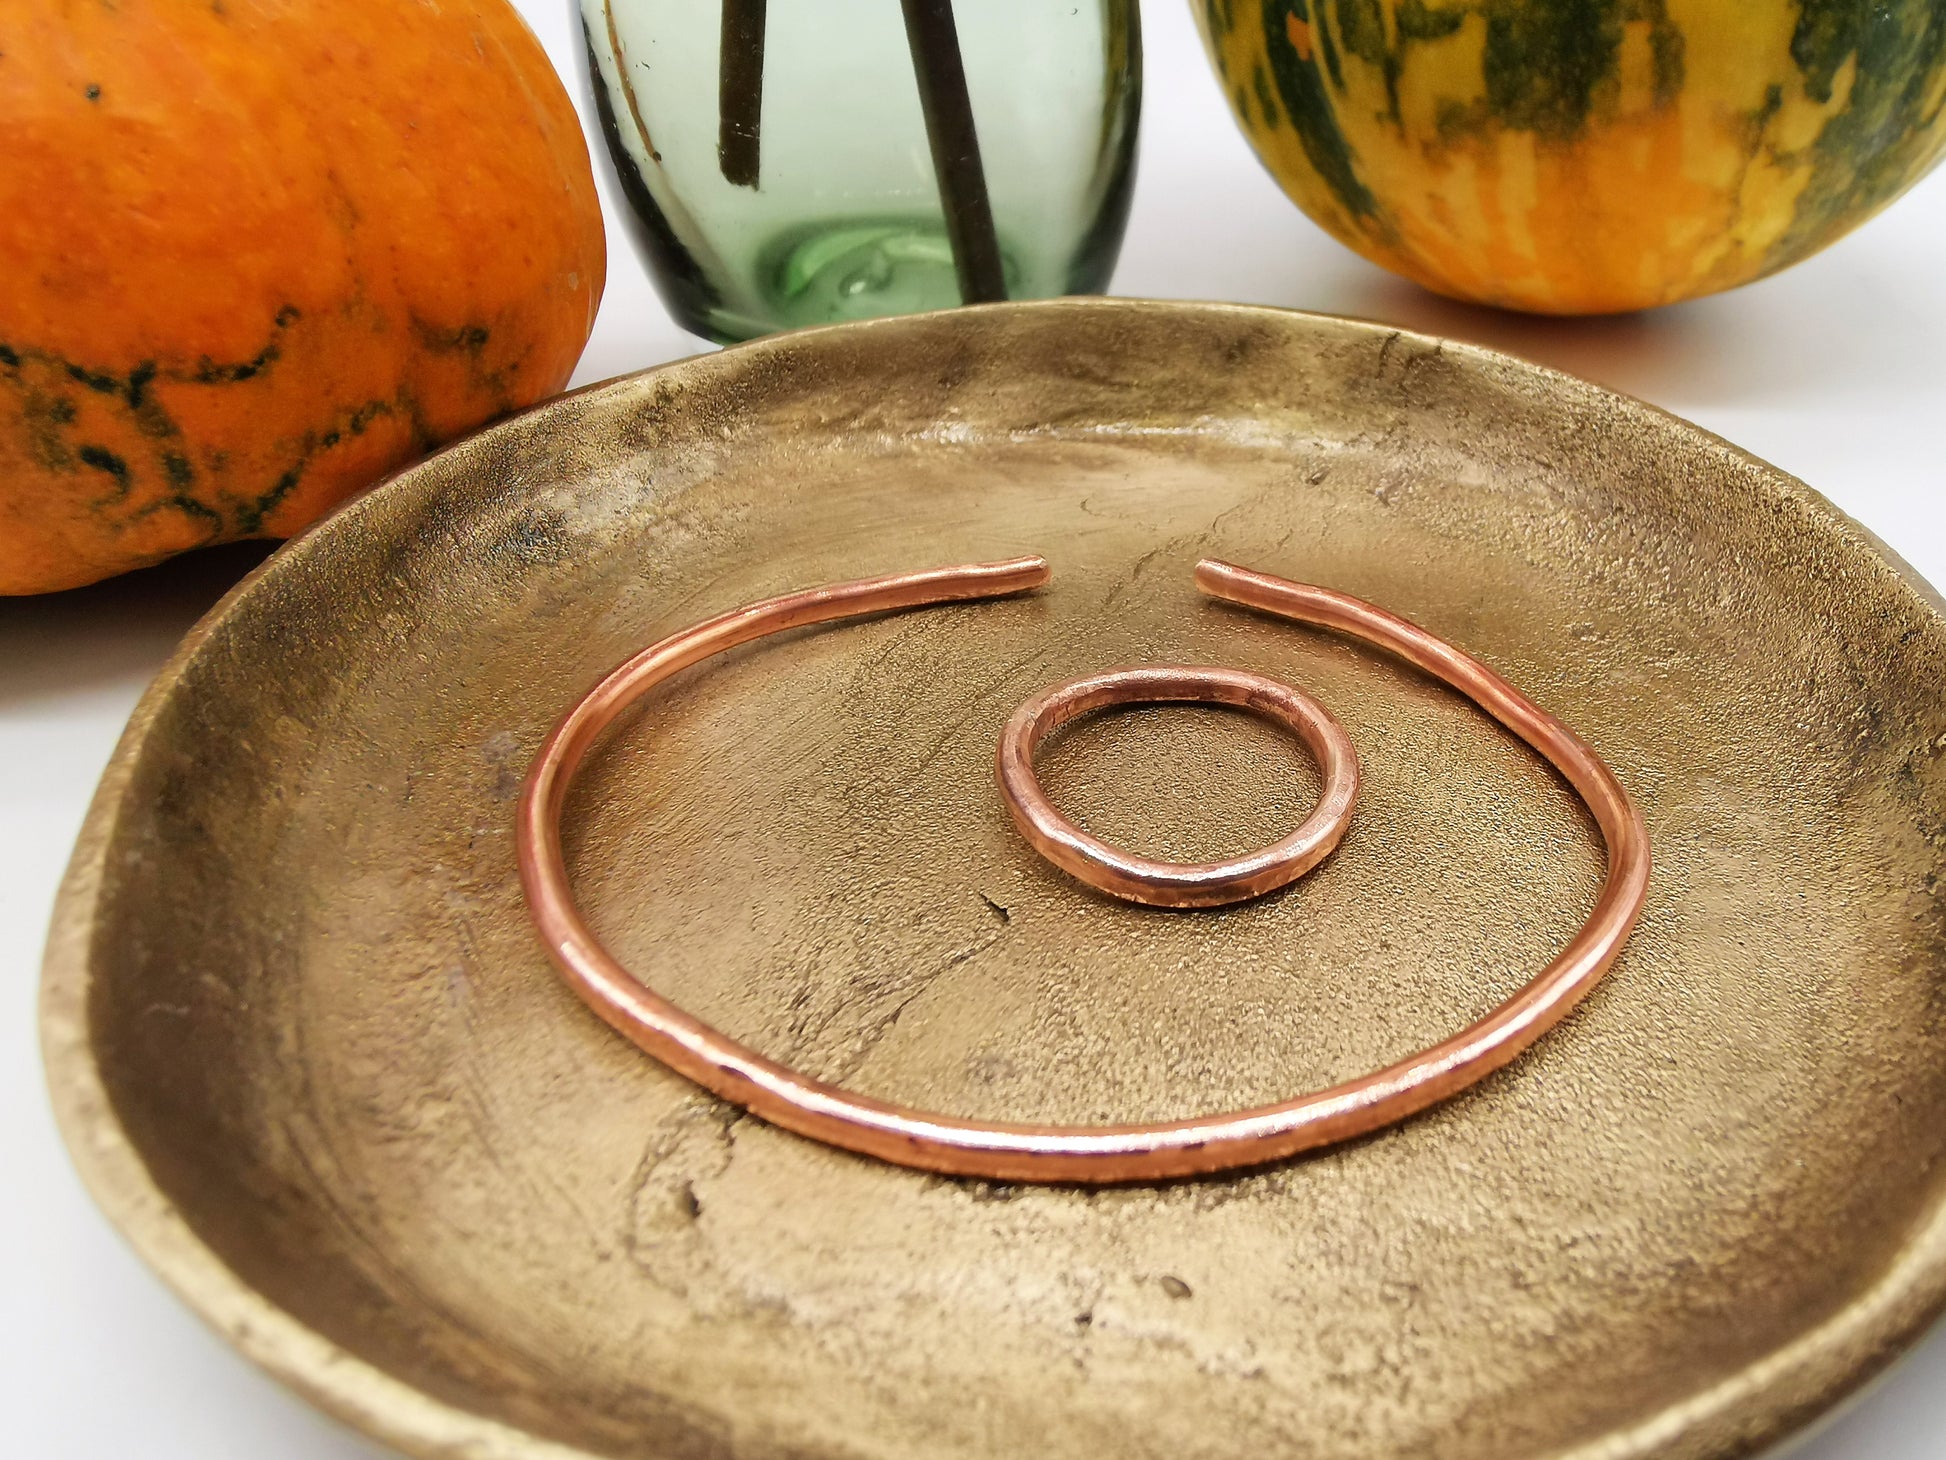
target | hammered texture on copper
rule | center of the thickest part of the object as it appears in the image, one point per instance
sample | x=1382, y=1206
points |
x=299, y=983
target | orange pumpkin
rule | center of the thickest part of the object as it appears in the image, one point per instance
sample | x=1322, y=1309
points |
x=254, y=254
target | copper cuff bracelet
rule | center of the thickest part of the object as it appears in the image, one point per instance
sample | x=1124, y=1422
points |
x=1110, y=1153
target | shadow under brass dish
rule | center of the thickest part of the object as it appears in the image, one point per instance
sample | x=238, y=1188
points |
x=309, y=1053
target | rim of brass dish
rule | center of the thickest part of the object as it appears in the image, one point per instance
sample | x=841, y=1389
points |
x=1753, y=1404
x=1019, y=1151
x=1178, y=884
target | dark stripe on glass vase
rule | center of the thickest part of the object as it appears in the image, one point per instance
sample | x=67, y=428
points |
x=948, y=108
x=740, y=92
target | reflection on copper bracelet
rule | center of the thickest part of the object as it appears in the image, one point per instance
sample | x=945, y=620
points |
x=1177, y=884
x=1055, y=1153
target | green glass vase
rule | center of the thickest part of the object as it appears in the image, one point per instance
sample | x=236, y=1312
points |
x=799, y=162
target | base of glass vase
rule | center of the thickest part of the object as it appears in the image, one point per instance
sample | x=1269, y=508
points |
x=838, y=270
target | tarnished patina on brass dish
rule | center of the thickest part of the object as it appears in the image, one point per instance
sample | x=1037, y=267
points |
x=310, y=1055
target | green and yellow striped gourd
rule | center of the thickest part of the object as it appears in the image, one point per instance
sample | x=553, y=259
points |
x=1586, y=156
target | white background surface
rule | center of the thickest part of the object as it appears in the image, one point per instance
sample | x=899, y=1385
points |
x=1835, y=371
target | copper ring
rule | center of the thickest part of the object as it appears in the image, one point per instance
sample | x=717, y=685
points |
x=1178, y=884
x=1090, y=1154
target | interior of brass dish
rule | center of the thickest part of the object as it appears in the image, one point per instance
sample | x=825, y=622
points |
x=311, y=1057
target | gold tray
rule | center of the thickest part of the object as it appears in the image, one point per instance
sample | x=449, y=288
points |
x=309, y=1056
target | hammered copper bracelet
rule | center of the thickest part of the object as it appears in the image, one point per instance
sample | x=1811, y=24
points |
x=1091, y=1154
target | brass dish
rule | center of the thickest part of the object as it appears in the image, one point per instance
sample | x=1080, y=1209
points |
x=309, y=1054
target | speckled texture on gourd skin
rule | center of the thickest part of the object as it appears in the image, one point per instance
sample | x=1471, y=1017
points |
x=1586, y=156
x=310, y=1054
x=254, y=254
